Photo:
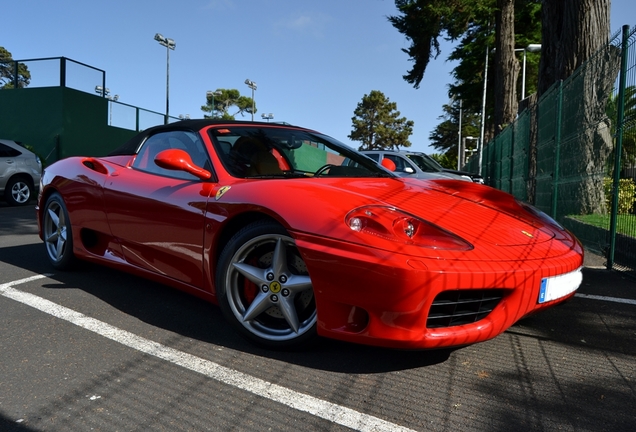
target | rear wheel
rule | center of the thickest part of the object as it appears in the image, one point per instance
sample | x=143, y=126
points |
x=18, y=192
x=58, y=237
x=264, y=288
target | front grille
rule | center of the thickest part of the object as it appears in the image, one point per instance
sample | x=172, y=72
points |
x=453, y=308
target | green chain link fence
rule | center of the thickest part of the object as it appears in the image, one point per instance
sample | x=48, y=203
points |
x=572, y=153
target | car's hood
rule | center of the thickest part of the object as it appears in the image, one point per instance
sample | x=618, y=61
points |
x=475, y=212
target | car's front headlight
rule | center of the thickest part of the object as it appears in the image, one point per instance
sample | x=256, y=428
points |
x=394, y=225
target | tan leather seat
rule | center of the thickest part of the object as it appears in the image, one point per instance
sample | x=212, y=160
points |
x=263, y=163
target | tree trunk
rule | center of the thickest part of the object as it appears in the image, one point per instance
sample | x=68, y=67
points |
x=506, y=65
x=573, y=32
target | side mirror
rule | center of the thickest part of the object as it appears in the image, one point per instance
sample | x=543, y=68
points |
x=179, y=160
x=409, y=170
x=388, y=164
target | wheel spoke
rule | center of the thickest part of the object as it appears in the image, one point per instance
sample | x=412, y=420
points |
x=62, y=220
x=288, y=309
x=298, y=283
x=279, y=261
x=254, y=274
x=59, y=247
x=54, y=218
x=52, y=238
x=260, y=304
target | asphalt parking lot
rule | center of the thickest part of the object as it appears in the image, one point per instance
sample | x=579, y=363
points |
x=97, y=349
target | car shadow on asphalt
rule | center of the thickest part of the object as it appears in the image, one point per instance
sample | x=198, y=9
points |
x=9, y=425
x=175, y=311
x=589, y=324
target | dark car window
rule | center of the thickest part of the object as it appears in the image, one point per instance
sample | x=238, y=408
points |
x=6, y=151
x=374, y=156
x=187, y=141
x=422, y=162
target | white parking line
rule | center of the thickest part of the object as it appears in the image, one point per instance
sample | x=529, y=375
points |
x=604, y=298
x=329, y=411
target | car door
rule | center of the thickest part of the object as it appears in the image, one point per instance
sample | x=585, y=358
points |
x=158, y=215
x=8, y=163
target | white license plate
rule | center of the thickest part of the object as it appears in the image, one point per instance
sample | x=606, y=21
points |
x=555, y=287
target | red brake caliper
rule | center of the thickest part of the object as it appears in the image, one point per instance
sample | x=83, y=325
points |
x=249, y=288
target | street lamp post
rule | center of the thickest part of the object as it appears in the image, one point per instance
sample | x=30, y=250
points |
x=459, y=136
x=480, y=143
x=267, y=117
x=105, y=92
x=252, y=85
x=464, y=150
x=211, y=94
x=170, y=44
x=529, y=48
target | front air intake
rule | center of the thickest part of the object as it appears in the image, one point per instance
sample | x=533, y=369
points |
x=453, y=308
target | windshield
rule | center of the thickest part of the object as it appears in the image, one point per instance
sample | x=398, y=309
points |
x=423, y=163
x=280, y=152
x=432, y=161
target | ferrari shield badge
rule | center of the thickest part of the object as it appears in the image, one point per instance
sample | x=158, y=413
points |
x=221, y=192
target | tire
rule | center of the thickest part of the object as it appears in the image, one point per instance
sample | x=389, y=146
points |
x=18, y=191
x=264, y=289
x=57, y=233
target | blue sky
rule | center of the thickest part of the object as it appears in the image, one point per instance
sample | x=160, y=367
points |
x=312, y=61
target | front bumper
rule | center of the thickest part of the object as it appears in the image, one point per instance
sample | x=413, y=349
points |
x=375, y=297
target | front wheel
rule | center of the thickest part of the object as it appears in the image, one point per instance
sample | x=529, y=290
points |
x=56, y=229
x=264, y=289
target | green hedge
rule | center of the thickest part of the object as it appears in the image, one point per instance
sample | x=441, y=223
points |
x=626, y=195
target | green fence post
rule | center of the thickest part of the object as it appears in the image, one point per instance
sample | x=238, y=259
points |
x=511, y=154
x=557, y=151
x=62, y=72
x=16, y=75
x=618, y=148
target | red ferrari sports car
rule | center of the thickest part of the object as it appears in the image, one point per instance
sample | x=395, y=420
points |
x=294, y=234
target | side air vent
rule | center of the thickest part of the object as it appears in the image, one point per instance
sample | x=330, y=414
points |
x=453, y=308
x=95, y=165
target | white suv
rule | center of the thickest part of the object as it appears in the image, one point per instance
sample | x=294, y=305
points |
x=20, y=172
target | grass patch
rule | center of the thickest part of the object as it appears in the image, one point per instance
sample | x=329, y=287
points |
x=625, y=223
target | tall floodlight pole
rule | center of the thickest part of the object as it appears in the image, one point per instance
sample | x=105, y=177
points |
x=529, y=48
x=480, y=144
x=105, y=92
x=252, y=85
x=170, y=44
x=211, y=94
x=459, y=137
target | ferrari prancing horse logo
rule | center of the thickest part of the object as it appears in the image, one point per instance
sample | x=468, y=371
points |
x=221, y=192
x=275, y=287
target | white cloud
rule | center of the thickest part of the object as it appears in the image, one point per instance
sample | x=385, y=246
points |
x=307, y=23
